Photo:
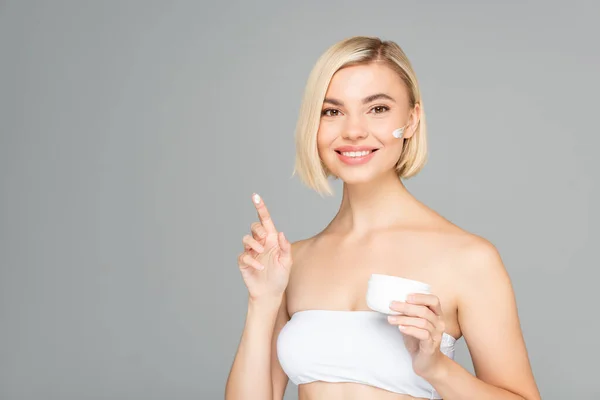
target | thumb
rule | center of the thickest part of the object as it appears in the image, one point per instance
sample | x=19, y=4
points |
x=286, y=249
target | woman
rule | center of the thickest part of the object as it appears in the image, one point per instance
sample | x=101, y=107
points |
x=362, y=121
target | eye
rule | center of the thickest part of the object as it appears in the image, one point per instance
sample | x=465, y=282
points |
x=327, y=112
x=384, y=108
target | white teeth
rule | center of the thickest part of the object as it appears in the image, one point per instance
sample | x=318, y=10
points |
x=356, y=153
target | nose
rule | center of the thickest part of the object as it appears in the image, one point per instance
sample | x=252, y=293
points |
x=355, y=129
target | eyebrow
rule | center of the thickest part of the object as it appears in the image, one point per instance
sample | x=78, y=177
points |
x=366, y=100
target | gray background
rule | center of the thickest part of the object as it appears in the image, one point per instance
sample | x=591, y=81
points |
x=134, y=132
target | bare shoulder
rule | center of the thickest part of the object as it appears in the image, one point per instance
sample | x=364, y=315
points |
x=475, y=257
x=478, y=257
x=301, y=243
x=471, y=258
x=299, y=246
x=470, y=252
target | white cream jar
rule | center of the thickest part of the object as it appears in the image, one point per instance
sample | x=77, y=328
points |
x=383, y=289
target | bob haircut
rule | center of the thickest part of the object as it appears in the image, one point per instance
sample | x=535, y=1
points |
x=357, y=50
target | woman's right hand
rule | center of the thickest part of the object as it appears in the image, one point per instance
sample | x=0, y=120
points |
x=266, y=261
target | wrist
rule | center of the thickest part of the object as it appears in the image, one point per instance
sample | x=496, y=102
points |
x=265, y=302
x=439, y=371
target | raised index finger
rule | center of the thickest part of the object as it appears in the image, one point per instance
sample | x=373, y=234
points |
x=263, y=214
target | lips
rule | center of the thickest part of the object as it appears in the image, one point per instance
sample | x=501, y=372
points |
x=355, y=160
x=354, y=148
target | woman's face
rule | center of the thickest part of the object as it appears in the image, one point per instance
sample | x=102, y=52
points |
x=363, y=105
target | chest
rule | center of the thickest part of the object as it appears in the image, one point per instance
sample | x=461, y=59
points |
x=333, y=274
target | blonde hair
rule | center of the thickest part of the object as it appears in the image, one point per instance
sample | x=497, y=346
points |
x=352, y=51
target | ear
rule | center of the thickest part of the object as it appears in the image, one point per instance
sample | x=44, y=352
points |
x=415, y=117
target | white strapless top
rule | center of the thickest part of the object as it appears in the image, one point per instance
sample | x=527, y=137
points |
x=351, y=346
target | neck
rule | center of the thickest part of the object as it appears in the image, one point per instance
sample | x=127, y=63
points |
x=374, y=205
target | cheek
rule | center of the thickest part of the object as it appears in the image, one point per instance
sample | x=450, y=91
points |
x=383, y=129
x=387, y=138
x=392, y=147
x=325, y=136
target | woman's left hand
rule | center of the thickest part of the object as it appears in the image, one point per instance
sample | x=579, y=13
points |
x=422, y=326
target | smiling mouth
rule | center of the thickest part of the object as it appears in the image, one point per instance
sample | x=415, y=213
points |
x=356, y=153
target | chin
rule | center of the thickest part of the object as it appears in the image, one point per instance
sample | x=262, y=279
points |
x=369, y=170
x=356, y=177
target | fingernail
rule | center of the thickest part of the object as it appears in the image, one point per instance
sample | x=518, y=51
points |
x=256, y=198
x=401, y=327
x=261, y=267
x=391, y=304
x=391, y=318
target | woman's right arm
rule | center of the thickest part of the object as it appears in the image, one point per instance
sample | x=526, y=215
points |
x=256, y=373
x=265, y=266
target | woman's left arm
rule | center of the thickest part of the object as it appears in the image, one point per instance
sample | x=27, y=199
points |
x=487, y=314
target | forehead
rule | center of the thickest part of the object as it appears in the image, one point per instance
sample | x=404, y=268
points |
x=356, y=82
